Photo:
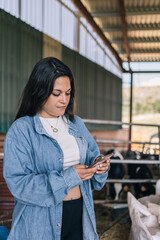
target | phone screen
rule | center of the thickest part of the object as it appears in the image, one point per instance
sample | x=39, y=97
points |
x=101, y=159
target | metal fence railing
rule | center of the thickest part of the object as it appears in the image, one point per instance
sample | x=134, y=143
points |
x=129, y=142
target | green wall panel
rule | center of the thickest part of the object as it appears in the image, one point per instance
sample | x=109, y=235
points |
x=98, y=92
x=20, y=48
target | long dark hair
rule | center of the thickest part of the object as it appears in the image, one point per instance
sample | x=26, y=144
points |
x=40, y=86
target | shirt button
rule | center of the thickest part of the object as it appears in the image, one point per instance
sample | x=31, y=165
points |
x=60, y=159
x=58, y=225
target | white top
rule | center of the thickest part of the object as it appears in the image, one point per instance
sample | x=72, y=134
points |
x=66, y=141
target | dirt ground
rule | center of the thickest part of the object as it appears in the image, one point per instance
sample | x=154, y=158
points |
x=105, y=215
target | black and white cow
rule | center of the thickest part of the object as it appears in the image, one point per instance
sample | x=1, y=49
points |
x=140, y=171
x=117, y=171
x=135, y=171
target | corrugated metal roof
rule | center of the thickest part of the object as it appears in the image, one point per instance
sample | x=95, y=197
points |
x=143, y=26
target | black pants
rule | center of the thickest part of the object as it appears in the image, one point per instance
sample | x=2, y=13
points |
x=72, y=220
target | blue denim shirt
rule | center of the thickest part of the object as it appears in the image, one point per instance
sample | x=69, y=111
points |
x=33, y=170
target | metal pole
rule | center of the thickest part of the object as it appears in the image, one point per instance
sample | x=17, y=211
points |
x=132, y=180
x=78, y=32
x=134, y=161
x=146, y=72
x=159, y=140
x=19, y=9
x=117, y=123
x=43, y=15
x=101, y=141
x=130, y=114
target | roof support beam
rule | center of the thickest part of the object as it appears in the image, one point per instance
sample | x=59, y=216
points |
x=105, y=14
x=124, y=28
x=142, y=72
x=136, y=40
x=141, y=51
x=146, y=71
x=97, y=29
x=131, y=28
x=112, y=29
x=129, y=12
x=146, y=60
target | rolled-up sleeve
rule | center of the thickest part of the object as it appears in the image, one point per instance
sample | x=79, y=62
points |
x=28, y=187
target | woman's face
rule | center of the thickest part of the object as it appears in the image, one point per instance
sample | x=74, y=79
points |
x=58, y=101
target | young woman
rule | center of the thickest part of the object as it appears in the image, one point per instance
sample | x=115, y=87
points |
x=46, y=153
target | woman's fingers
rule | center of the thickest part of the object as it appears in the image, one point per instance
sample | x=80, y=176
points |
x=84, y=172
x=103, y=167
x=87, y=173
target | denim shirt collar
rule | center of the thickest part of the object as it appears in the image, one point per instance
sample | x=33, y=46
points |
x=38, y=125
x=40, y=129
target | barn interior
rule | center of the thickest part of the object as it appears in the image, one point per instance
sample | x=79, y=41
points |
x=105, y=43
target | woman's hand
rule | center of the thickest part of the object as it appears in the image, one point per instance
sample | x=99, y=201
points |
x=84, y=172
x=103, y=167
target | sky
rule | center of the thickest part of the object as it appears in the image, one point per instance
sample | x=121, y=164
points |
x=145, y=79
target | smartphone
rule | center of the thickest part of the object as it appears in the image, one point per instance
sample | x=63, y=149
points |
x=101, y=159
